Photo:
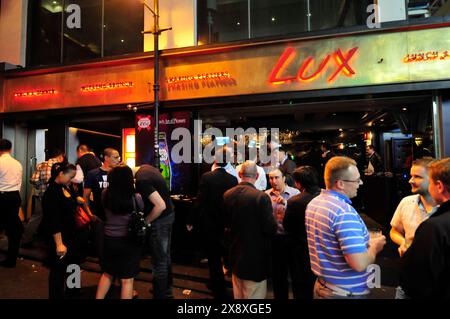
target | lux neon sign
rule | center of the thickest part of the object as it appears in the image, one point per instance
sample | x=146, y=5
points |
x=342, y=61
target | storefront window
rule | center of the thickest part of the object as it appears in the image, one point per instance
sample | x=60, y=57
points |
x=45, y=19
x=222, y=20
x=84, y=40
x=84, y=30
x=124, y=22
x=330, y=14
x=278, y=17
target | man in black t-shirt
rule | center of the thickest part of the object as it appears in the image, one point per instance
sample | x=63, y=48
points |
x=87, y=159
x=97, y=180
x=149, y=179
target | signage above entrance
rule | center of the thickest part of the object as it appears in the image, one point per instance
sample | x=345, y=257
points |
x=342, y=66
x=345, y=61
x=35, y=93
x=106, y=86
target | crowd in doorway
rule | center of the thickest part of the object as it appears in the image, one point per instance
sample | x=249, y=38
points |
x=294, y=225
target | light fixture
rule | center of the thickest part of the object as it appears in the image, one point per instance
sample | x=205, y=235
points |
x=122, y=40
x=405, y=109
x=273, y=19
x=340, y=130
x=382, y=120
x=238, y=23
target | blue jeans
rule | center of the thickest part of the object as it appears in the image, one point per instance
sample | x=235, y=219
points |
x=159, y=240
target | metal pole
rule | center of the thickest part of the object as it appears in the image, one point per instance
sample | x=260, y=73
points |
x=437, y=125
x=156, y=82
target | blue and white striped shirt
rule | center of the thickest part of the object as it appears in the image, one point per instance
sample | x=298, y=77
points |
x=335, y=229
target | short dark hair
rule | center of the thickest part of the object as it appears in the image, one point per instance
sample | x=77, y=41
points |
x=439, y=170
x=55, y=153
x=108, y=152
x=83, y=148
x=307, y=176
x=371, y=147
x=5, y=145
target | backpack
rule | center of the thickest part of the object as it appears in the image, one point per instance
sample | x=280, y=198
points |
x=137, y=227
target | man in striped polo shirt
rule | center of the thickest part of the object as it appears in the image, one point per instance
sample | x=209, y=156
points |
x=340, y=248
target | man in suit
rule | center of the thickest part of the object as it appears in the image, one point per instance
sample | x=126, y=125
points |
x=374, y=161
x=252, y=226
x=307, y=181
x=210, y=208
x=287, y=166
x=425, y=268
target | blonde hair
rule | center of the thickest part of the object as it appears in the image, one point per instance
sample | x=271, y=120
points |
x=337, y=168
x=439, y=170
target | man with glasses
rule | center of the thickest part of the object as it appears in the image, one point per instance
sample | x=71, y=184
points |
x=340, y=248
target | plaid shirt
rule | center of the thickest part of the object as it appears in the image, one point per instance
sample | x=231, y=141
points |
x=41, y=176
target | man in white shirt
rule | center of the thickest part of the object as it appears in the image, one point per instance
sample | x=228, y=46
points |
x=413, y=209
x=261, y=181
x=10, y=184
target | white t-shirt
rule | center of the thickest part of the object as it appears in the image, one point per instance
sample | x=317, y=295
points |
x=10, y=174
x=410, y=213
x=261, y=182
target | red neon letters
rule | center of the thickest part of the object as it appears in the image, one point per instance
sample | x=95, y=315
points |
x=342, y=66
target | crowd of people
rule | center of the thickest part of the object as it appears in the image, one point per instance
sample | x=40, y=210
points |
x=313, y=237
x=85, y=208
x=291, y=226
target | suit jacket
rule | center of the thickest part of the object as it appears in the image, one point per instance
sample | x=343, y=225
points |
x=376, y=162
x=425, y=272
x=210, y=201
x=252, y=226
x=288, y=167
x=294, y=219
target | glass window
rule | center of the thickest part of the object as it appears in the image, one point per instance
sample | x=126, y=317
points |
x=45, y=28
x=222, y=20
x=124, y=22
x=83, y=41
x=330, y=14
x=280, y=17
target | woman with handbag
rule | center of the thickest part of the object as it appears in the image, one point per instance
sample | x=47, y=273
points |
x=63, y=227
x=121, y=255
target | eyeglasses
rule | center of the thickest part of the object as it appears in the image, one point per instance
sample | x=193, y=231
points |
x=359, y=180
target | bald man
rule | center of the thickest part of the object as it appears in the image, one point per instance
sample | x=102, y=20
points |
x=252, y=225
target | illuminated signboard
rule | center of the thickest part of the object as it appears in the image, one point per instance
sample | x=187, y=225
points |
x=106, y=86
x=427, y=56
x=198, y=77
x=304, y=74
x=35, y=93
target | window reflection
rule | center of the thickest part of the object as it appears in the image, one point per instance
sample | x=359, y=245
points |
x=124, y=21
x=85, y=42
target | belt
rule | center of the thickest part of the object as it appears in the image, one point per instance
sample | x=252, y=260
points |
x=339, y=291
x=9, y=192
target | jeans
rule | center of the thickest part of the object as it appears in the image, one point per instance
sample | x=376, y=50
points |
x=159, y=240
x=11, y=223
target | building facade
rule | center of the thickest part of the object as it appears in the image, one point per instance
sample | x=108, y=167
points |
x=340, y=71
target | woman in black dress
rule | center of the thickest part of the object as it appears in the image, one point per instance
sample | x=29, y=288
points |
x=65, y=240
x=121, y=255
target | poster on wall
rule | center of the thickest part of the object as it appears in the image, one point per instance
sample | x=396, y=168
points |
x=177, y=175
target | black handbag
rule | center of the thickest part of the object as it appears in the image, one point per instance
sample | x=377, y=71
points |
x=137, y=227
